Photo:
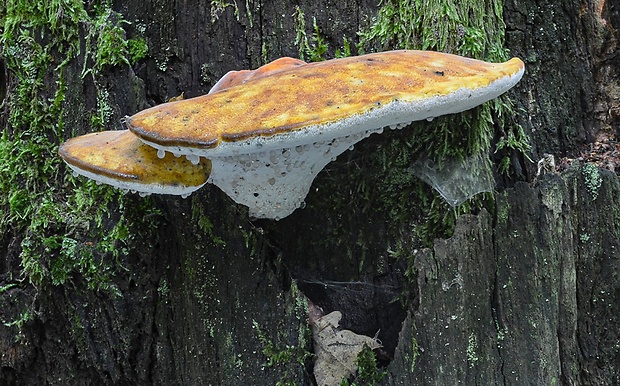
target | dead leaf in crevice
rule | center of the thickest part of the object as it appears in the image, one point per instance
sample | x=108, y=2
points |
x=336, y=350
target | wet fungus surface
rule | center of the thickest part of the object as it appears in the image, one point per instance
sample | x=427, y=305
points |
x=270, y=131
x=120, y=159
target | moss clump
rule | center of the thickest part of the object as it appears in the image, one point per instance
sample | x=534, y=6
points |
x=204, y=222
x=368, y=372
x=278, y=350
x=314, y=48
x=138, y=49
x=279, y=353
x=68, y=230
x=472, y=28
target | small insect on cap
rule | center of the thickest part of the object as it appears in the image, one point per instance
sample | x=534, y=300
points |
x=268, y=136
x=120, y=159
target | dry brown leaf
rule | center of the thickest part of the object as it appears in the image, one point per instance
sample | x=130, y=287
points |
x=336, y=350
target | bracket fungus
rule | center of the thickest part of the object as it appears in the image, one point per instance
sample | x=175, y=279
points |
x=270, y=131
x=120, y=159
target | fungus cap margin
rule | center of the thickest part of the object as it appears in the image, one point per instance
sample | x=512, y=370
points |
x=269, y=109
x=120, y=159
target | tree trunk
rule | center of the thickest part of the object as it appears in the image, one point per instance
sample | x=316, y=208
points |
x=191, y=291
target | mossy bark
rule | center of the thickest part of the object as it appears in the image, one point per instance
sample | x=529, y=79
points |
x=527, y=297
x=526, y=292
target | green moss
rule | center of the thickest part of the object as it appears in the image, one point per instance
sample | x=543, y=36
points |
x=368, y=372
x=19, y=322
x=346, y=49
x=415, y=352
x=275, y=342
x=279, y=353
x=4, y=288
x=68, y=229
x=204, y=222
x=314, y=48
x=107, y=36
x=275, y=354
x=138, y=49
x=472, y=28
x=367, y=368
x=301, y=39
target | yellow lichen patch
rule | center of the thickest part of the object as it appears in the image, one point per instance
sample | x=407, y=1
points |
x=314, y=94
x=120, y=155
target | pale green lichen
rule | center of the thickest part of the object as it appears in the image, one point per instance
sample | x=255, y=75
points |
x=219, y=6
x=592, y=179
x=472, y=348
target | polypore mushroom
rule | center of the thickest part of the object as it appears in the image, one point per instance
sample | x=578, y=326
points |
x=120, y=159
x=268, y=136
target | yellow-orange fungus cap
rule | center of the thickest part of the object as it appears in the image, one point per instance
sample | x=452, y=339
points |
x=317, y=94
x=120, y=159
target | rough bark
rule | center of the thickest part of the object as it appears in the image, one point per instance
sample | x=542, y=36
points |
x=527, y=294
x=526, y=297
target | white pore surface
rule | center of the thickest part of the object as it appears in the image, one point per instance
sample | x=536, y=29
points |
x=272, y=175
x=143, y=189
x=274, y=183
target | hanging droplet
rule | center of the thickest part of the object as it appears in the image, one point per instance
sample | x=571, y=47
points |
x=161, y=153
x=193, y=158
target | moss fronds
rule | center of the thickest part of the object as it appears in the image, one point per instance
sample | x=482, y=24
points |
x=68, y=228
x=472, y=28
